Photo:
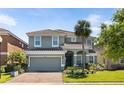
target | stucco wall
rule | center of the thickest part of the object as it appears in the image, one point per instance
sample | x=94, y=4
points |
x=46, y=41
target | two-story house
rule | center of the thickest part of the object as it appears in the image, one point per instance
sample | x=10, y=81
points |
x=48, y=50
x=10, y=43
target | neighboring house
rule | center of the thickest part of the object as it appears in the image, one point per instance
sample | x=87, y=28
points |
x=10, y=43
x=102, y=60
x=47, y=50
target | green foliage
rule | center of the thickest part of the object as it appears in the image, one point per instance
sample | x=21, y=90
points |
x=24, y=66
x=83, y=28
x=112, y=37
x=75, y=72
x=99, y=76
x=5, y=77
x=3, y=68
x=100, y=67
x=17, y=57
x=16, y=67
x=119, y=16
x=91, y=67
x=9, y=68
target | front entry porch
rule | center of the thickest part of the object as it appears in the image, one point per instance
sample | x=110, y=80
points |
x=78, y=60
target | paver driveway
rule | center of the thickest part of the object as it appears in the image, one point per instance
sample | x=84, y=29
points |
x=41, y=77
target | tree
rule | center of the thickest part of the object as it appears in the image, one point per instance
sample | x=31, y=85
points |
x=112, y=37
x=17, y=57
x=82, y=29
x=119, y=16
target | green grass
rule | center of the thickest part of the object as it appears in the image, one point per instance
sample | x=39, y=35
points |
x=5, y=77
x=99, y=76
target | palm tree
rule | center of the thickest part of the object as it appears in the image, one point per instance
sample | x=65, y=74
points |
x=82, y=29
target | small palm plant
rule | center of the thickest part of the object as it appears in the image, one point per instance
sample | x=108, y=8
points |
x=82, y=29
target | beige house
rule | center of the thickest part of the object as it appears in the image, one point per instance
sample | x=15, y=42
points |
x=108, y=63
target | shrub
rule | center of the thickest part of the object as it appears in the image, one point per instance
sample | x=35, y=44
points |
x=90, y=66
x=3, y=68
x=12, y=67
x=9, y=68
x=75, y=72
x=117, y=67
x=100, y=67
x=17, y=57
x=86, y=71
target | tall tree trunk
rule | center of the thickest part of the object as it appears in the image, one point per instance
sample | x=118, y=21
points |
x=83, y=52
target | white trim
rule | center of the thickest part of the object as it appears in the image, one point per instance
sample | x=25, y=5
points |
x=57, y=41
x=62, y=65
x=91, y=54
x=35, y=40
x=45, y=52
x=4, y=53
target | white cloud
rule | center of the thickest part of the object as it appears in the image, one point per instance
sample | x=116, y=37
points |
x=5, y=19
x=108, y=22
x=94, y=18
x=95, y=30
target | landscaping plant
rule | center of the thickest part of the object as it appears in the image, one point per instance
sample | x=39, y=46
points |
x=16, y=61
x=75, y=72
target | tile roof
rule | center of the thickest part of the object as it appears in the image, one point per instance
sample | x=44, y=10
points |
x=46, y=49
x=72, y=46
x=52, y=32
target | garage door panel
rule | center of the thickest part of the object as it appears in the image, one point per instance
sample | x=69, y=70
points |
x=45, y=64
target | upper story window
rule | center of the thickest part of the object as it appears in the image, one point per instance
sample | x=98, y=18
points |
x=73, y=39
x=37, y=41
x=55, y=41
x=89, y=43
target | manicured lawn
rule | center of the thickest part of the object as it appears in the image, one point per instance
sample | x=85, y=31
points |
x=5, y=77
x=100, y=76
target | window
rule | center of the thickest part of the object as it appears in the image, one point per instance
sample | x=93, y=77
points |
x=122, y=61
x=91, y=59
x=73, y=39
x=37, y=41
x=55, y=41
x=79, y=60
x=89, y=42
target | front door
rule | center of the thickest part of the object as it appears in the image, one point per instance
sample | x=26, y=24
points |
x=69, y=58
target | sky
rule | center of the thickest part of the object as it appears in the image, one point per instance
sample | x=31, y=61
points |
x=22, y=20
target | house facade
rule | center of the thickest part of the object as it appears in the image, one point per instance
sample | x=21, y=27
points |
x=10, y=43
x=107, y=62
x=49, y=50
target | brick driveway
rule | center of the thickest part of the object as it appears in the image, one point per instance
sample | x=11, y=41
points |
x=41, y=77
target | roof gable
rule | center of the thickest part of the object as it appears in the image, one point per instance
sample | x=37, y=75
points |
x=50, y=32
x=7, y=32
